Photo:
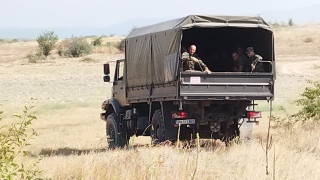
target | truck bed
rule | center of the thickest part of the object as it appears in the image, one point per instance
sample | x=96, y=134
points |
x=226, y=86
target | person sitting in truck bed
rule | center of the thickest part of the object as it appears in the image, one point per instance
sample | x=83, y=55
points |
x=236, y=66
x=255, y=60
x=240, y=61
x=244, y=64
x=191, y=60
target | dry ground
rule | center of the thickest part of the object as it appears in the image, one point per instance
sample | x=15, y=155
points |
x=72, y=137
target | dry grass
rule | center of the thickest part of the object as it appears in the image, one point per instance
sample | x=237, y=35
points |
x=107, y=49
x=295, y=159
x=72, y=137
x=304, y=40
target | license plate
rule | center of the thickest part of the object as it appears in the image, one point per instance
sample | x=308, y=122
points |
x=195, y=80
x=186, y=121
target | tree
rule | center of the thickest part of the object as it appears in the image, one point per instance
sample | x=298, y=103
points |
x=290, y=22
x=46, y=42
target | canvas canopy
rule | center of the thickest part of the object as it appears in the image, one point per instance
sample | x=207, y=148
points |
x=152, y=52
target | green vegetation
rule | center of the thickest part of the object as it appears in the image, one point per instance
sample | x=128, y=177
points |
x=14, y=139
x=74, y=47
x=290, y=22
x=46, y=42
x=310, y=102
x=97, y=41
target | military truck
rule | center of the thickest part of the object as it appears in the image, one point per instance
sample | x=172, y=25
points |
x=153, y=96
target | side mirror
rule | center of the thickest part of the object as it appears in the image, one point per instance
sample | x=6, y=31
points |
x=106, y=69
x=106, y=78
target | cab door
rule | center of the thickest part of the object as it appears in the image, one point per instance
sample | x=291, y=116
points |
x=119, y=89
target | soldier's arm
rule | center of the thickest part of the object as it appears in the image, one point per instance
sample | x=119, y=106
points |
x=195, y=59
x=185, y=56
x=202, y=64
x=205, y=67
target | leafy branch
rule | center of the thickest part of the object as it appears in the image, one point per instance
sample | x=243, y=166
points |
x=14, y=138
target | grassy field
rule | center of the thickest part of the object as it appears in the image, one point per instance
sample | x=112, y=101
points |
x=71, y=136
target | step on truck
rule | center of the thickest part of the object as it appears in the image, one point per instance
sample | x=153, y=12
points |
x=152, y=95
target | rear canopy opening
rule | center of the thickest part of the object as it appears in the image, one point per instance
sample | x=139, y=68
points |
x=153, y=53
x=215, y=45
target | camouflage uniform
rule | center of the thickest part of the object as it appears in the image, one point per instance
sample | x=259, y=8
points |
x=189, y=64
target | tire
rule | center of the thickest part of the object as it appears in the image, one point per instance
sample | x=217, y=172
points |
x=157, y=129
x=114, y=139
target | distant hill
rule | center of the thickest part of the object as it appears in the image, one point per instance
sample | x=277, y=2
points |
x=304, y=15
x=122, y=28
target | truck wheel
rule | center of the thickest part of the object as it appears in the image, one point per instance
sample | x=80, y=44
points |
x=157, y=129
x=114, y=139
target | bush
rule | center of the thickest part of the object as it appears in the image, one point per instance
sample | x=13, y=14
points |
x=14, y=138
x=33, y=57
x=46, y=42
x=15, y=40
x=121, y=45
x=310, y=102
x=290, y=22
x=97, y=41
x=74, y=47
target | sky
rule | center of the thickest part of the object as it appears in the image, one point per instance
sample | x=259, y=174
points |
x=103, y=13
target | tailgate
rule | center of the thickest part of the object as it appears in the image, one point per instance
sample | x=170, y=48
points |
x=227, y=85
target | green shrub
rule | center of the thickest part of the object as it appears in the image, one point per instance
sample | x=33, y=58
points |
x=14, y=138
x=310, y=102
x=46, y=42
x=97, y=41
x=290, y=22
x=74, y=47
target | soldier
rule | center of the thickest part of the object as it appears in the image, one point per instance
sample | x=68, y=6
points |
x=191, y=61
x=243, y=61
x=236, y=66
x=255, y=60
